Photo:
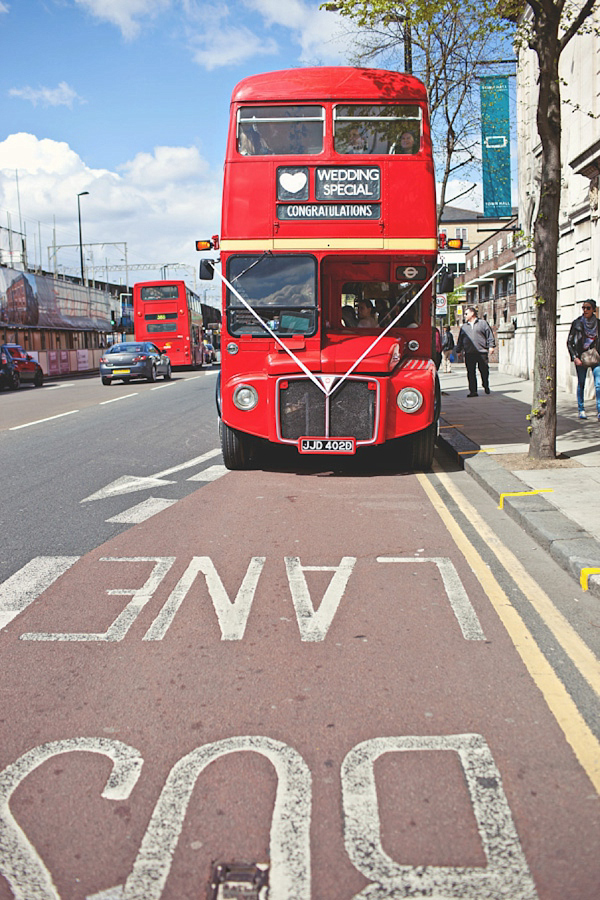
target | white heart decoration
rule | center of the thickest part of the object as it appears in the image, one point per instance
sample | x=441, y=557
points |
x=292, y=183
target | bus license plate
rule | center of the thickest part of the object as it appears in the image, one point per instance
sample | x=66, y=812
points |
x=327, y=445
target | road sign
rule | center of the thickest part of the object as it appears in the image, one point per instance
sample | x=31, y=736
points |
x=441, y=305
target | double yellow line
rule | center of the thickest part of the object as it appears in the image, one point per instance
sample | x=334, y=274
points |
x=578, y=734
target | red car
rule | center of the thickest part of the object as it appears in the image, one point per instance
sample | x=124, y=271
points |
x=30, y=371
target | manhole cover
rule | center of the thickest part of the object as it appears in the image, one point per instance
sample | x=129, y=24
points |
x=239, y=881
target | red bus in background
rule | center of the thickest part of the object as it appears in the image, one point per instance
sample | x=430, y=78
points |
x=329, y=256
x=169, y=314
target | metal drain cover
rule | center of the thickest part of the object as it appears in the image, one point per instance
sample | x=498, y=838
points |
x=239, y=881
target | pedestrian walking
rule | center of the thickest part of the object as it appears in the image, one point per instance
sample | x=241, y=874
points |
x=476, y=338
x=583, y=348
x=447, y=348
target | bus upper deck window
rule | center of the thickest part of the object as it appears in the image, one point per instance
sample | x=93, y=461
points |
x=280, y=130
x=376, y=129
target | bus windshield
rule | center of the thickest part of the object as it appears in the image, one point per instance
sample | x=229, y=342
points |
x=376, y=304
x=282, y=290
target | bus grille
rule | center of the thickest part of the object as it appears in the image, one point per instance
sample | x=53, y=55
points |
x=303, y=408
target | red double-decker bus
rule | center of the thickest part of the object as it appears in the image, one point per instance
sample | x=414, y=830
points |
x=329, y=253
x=169, y=314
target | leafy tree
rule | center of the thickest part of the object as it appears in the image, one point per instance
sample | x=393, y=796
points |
x=546, y=27
x=443, y=44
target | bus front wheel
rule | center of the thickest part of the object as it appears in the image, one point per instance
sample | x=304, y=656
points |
x=236, y=448
x=422, y=445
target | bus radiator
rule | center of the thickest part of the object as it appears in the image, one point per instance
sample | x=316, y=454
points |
x=304, y=410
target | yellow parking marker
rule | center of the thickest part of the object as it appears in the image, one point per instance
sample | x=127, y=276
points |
x=585, y=574
x=523, y=494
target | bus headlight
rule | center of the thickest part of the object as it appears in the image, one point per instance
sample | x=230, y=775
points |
x=409, y=400
x=245, y=397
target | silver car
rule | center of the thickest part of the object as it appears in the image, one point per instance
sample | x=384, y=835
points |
x=138, y=359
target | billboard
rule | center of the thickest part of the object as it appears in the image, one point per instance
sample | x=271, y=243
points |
x=495, y=145
x=46, y=302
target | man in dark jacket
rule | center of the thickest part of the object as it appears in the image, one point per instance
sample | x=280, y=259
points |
x=475, y=339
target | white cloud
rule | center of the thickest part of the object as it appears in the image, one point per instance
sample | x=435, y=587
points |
x=318, y=32
x=158, y=203
x=63, y=95
x=229, y=45
x=4, y=8
x=125, y=14
x=229, y=34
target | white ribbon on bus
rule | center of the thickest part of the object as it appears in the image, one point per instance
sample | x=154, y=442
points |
x=333, y=387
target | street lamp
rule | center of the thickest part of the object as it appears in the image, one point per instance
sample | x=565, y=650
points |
x=82, y=194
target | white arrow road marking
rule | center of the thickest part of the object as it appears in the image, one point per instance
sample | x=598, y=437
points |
x=26, y=585
x=210, y=474
x=128, y=483
x=142, y=511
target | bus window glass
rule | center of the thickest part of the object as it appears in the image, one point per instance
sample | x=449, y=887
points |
x=280, y=130
x=384, y=301
x=377, y=129
x=159, y=292
x=282, y=290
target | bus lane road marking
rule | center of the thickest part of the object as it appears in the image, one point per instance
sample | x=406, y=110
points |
x=577, y=732
x=314, y=616
x=505, y=875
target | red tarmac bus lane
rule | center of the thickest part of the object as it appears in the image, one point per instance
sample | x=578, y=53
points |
x=357, y=715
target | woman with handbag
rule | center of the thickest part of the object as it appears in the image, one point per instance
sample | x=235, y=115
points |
x=582, y=345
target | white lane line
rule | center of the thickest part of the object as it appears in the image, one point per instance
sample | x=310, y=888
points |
x=48, y=419
x=25, y=586
x=142, y=511
x=55, y=387
x=210, y=474
x=116, y=399
x=159, y=387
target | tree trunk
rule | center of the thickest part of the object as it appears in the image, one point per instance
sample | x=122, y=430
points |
x=546, y=234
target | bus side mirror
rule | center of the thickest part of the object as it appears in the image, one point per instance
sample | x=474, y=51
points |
x=207, y=270
x=446, y=284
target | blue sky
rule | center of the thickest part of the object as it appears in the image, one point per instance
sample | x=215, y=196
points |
x=128, y=99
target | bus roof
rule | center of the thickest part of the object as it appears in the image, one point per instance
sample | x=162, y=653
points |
x=329, y=83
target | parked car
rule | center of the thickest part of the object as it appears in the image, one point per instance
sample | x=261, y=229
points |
x=9, y=374
x=138, y=359
x=210, y=355
x=30, y=371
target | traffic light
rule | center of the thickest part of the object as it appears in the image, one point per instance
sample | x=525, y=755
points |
x=113, y=317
